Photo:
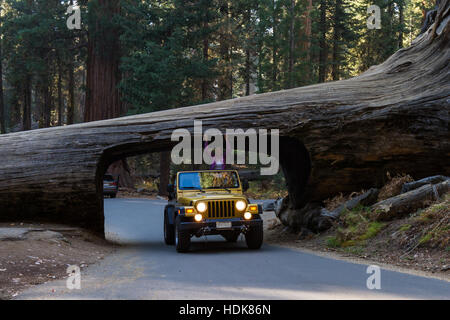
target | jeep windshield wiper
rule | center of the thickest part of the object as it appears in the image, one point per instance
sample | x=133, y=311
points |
x=194, y=188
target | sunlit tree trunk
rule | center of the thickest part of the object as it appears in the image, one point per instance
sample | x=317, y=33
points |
x=103, y=76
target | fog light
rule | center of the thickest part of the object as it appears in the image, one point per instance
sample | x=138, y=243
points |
x=198, y=217
x=247, y=216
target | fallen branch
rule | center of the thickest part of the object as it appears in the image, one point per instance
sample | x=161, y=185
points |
x=417, y=184
x=409, y=202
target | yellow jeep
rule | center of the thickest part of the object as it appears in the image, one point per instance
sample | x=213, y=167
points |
x=210, y=202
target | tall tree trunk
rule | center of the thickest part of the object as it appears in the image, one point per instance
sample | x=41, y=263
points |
x=401, y=23
x=274, y=46
x=26, y=117
x=323, y=41
x=103, y=76
x=226, y=80
x=60, y=97
x=247, y=69
x=71, y=90
x=306, y=42
x=71, y=87
x=291, y=45
x=336, y=36
x=164, y=173
x=2, y=105
x=205, y=59
x=47, y=102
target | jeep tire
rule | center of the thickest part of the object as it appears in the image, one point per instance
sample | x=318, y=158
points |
x=254, y=237
x=169, y=232
x=182, y=237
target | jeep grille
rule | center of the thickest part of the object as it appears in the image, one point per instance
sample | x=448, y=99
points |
x=221, y=209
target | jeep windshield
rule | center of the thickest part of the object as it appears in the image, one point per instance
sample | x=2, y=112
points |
x=208, y=180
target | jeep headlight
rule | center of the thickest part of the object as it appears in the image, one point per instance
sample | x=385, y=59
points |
x=241, y=205
x=201, y=207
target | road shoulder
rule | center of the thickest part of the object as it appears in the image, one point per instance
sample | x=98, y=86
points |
x=32, y=254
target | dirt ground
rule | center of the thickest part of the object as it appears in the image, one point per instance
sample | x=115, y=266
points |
x=380, y=250
x=24, y=263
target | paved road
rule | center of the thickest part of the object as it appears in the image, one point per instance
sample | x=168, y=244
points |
x=145, y=268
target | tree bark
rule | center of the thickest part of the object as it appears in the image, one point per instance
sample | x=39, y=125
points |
x=323, y=41
x=26, y=115
x=274, y=46
x=291, y=45
x=60, y=96
x=2, y=104
x=164, y=175
x=401, y=24
x=336, y=36
x=335, y=137
x=205, y=82
x=225, y=47
x=71, y=90
x=103, y=76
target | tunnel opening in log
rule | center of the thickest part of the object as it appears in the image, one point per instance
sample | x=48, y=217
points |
x=294, y=160
x=112, y=155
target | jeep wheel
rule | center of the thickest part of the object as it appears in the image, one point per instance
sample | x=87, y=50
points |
x=254, y=237
x=182, y=238
x=231, y=237
x=169, y=233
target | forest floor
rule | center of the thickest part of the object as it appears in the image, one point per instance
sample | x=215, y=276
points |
x=43, y=253
x=419, y=242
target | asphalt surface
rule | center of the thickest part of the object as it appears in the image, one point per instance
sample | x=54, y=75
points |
x=145, y=268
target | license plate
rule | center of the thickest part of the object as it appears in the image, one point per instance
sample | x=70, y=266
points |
x=223, y=225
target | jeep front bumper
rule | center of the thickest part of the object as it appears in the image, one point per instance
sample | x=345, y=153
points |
x=206, y=227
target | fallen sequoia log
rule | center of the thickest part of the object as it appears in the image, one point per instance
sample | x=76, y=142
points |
x=335, y=137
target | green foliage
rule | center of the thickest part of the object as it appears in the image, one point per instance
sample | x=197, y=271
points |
x=404, y=227
x=356, y=227
x=372, y=230
x=333, y=242
x=426, y=238
x=162, y=63
x=176, y=53
x=36, y=46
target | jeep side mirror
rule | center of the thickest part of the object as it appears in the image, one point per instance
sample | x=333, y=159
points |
x=170, y=188
x=245, y=185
